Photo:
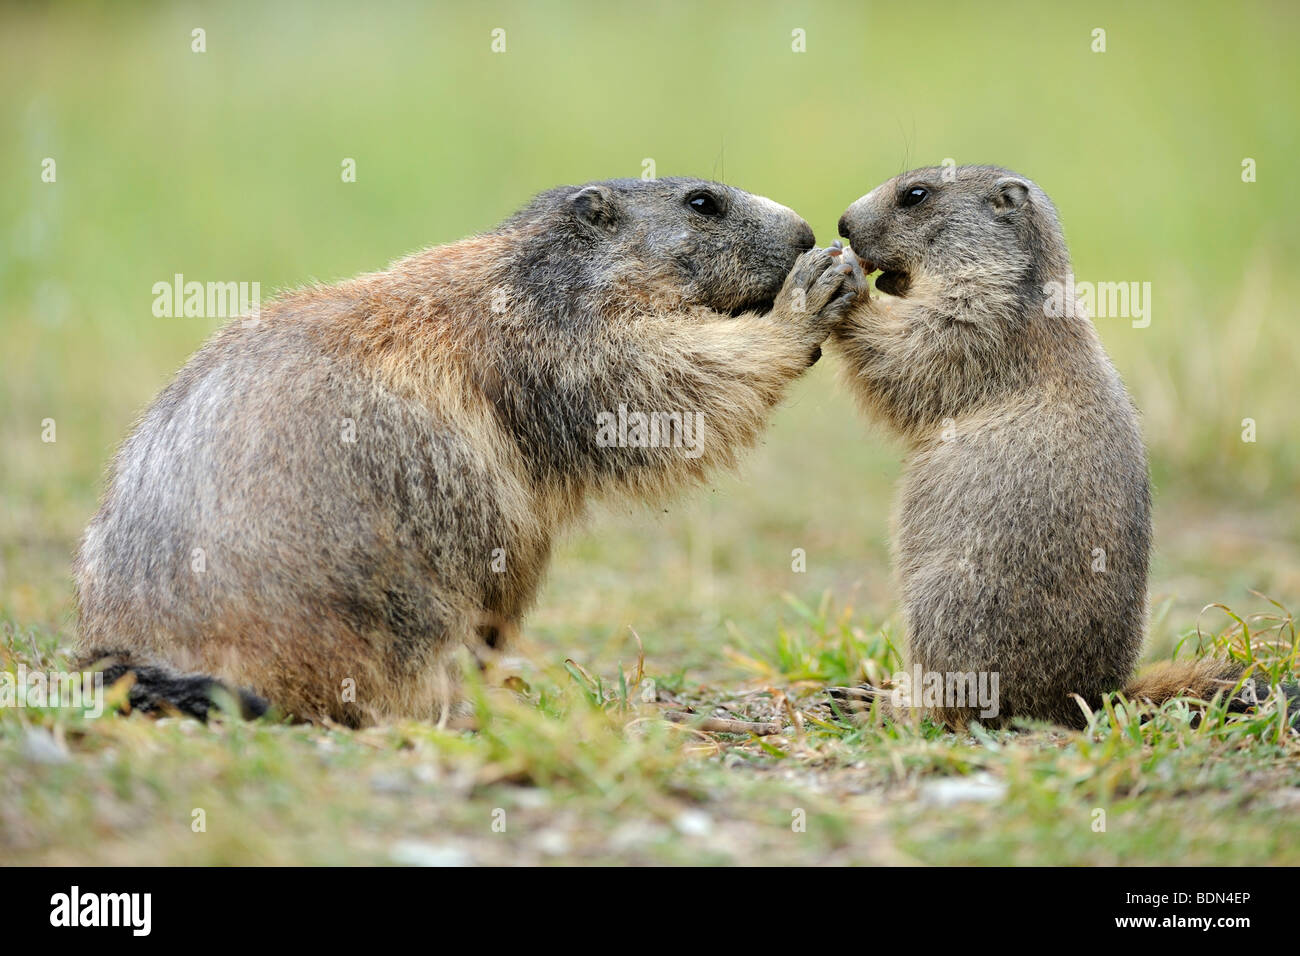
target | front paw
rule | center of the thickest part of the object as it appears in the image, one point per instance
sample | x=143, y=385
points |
x=819, y=291
x=855, y=289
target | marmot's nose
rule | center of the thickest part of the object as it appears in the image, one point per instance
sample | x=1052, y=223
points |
x=805, y=239
x=843, y=225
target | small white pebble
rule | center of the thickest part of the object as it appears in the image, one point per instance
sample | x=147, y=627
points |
x=553, y=842
x=979, y=788
x=418, y=853
x=635, y=833
x=693, y=823
x=39, y=746
x=531, y=798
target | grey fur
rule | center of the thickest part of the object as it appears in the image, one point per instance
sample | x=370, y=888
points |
x=1025, y=466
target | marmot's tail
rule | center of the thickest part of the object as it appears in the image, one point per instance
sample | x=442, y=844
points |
x=159, y=689
x=1203, y=679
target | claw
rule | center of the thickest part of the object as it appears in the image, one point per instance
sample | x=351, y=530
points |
x=861, y=692
x=855, y=266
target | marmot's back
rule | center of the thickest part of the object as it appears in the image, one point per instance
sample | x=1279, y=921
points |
x=272, y=491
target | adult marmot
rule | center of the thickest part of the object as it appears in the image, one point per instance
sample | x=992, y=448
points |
x=1022, y=527
x=329, y=500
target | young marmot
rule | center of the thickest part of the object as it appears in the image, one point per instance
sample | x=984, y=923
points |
x=1022, y=527
x=329, y=500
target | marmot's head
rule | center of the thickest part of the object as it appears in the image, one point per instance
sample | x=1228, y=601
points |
x=976, y=224
x=660, y=243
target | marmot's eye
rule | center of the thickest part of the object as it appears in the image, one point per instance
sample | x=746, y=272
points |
x=913, y=196
x=706, y=204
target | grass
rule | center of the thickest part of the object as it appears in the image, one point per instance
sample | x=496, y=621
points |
x=225, y=165
x=577, y=767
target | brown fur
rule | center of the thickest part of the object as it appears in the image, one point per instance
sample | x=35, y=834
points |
x=473, y=374
x=1202, y=679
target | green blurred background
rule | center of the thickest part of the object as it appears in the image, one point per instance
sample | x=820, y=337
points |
x=225, y=166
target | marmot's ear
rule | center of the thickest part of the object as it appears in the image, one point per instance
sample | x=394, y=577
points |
x=1009, y=194
x=596, y=206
